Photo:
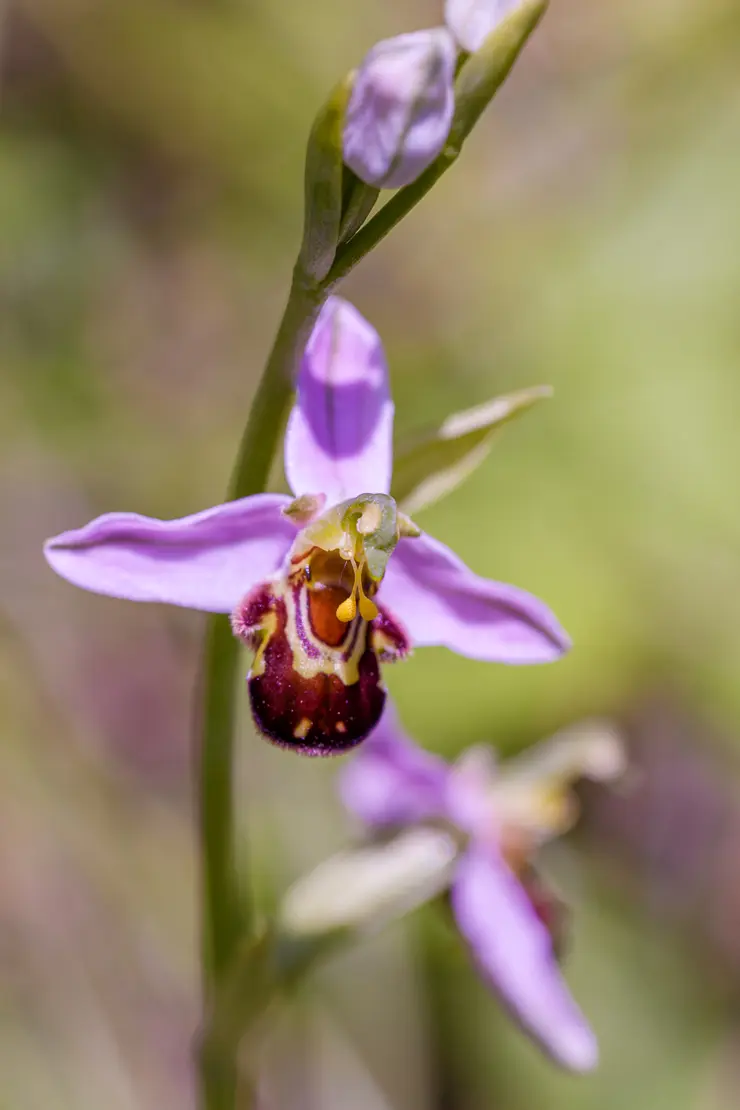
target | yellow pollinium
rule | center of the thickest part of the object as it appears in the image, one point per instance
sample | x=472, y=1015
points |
x=347, y=611
x=368, y=608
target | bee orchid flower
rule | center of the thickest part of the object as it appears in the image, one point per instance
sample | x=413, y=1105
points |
x=326, y=585
x=500, y=816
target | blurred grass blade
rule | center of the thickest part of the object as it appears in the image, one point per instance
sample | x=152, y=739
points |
x=436, y=465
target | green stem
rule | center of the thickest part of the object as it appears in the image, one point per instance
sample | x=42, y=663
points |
x=226, y=910
x=400, y=204
x=260, y=440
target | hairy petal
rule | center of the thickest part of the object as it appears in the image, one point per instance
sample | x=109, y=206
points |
x=391, y=781
x=513, y=951
x=339, y=436
x=206, y=561
x=442, y=602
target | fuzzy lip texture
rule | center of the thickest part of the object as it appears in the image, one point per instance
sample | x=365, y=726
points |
x=338, y=443
x=393, y=783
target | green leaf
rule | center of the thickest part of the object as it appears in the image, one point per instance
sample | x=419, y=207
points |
x=483, y=72
x=324, y=186
x=437, y=464
x=357, y=204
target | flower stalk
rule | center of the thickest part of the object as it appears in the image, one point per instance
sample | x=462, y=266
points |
x=226, y=909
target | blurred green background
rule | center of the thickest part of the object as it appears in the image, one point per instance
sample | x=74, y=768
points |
x=150, y=207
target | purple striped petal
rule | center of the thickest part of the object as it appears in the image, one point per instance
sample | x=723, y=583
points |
x=391, y=781
x=207, y=561
x=339, y=436
x=513, y=952
x=442, y=602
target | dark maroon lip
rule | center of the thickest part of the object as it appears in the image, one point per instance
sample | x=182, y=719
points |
x=320, y=713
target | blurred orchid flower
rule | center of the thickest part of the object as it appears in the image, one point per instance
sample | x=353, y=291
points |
x=401, y=107
x=301, y=576
x=500, y=817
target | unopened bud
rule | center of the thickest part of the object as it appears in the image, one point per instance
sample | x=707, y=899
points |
x=400, y=109
x=471, y=21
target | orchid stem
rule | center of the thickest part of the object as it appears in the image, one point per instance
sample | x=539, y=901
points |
x=383, y=222
x=260, y=439
x=226, y=909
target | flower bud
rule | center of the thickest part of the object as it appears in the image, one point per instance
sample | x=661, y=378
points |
x=471, y=21
x=400, y=108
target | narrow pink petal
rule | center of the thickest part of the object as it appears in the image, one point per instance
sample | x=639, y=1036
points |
x=442, y=602
x=513, y=952
x=339, y=436
x=391, y=781
x=207, y=561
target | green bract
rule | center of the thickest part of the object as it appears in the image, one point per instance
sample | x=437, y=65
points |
x=358, y=201
x=439, y=462
x=483, y=72
x=323, y=186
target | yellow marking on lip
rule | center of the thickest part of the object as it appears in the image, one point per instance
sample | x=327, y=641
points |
x=302, y=729
x=340, y=726
x=268, y=626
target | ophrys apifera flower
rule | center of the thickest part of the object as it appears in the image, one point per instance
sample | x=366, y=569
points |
x=327, y=585
x=500, y=816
